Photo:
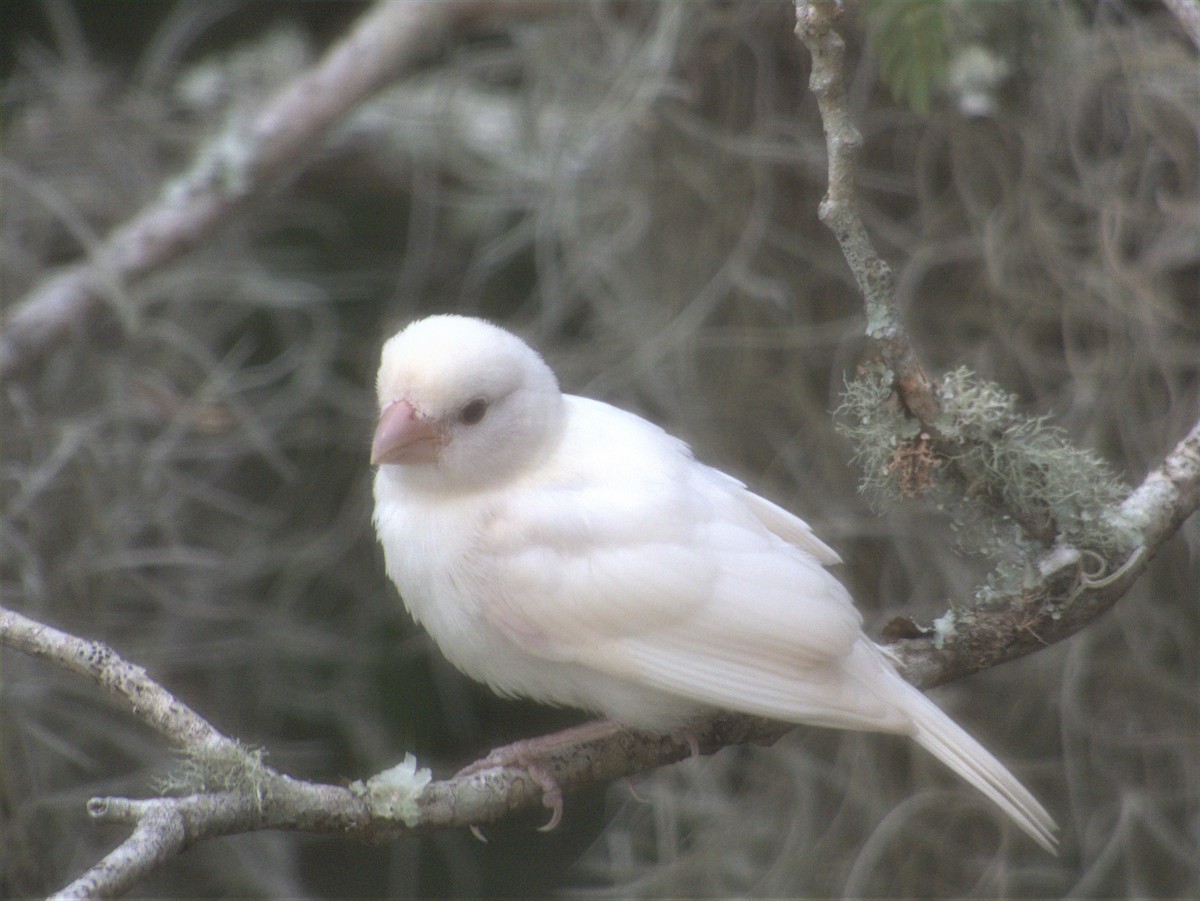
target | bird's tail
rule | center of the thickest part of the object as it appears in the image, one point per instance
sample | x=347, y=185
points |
x=947, y=741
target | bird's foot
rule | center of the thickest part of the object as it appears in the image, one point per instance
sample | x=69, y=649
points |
x=524, y=755
x=530, y=755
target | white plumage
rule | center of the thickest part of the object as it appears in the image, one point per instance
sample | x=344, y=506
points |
x=564, y=550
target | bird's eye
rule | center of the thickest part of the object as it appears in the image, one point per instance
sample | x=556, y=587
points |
x=473, y=411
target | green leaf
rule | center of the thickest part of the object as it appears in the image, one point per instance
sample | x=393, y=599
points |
x=909, y=40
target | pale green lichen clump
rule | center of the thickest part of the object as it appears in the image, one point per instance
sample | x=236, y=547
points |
x=1012, y=484
x=231, y=767
x=1029, y=463
x=394, y=792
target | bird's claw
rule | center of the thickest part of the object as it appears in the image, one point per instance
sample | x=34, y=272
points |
x=551, y=797
x=693, y=743
x=628, y=780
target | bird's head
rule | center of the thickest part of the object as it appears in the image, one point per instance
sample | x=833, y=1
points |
x=463, y=402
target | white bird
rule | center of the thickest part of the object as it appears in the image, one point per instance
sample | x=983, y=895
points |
x=561, y=549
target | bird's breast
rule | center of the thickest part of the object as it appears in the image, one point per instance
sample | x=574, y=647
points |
x=430, y=549
x=424, y=548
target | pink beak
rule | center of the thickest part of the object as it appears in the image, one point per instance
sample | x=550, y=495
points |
x=404, y=435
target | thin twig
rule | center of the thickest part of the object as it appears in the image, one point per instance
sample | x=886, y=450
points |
x=839, y=209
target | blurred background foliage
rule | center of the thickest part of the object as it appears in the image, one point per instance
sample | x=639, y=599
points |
x=634, y=187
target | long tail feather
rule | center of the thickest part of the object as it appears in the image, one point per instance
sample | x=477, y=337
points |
x=947, y=741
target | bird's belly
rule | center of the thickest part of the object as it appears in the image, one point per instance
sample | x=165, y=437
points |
x=512, y=671
x=481, y=651
x=427, y=558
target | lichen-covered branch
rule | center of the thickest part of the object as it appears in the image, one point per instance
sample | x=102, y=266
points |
x=958, y=431
x=917, y=393
x=1075, y=588
x=839, y=209
x=1010, y=464
x=247, y=796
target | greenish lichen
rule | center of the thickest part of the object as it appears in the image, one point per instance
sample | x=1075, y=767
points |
x=943, y=628
x=1013, y=485
x=874, y=423
x=1029, y=465
x=395, y=792
x=881, y=319
x=231, y=767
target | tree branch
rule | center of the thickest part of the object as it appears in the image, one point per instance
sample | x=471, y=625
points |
x=148, y=701
x=1069, y=595
x=165, y=827
x=918, y=393
x=237, y=165
x=839, y=209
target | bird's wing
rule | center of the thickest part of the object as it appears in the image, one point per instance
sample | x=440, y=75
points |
x=788, y=526
x=628, y=556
